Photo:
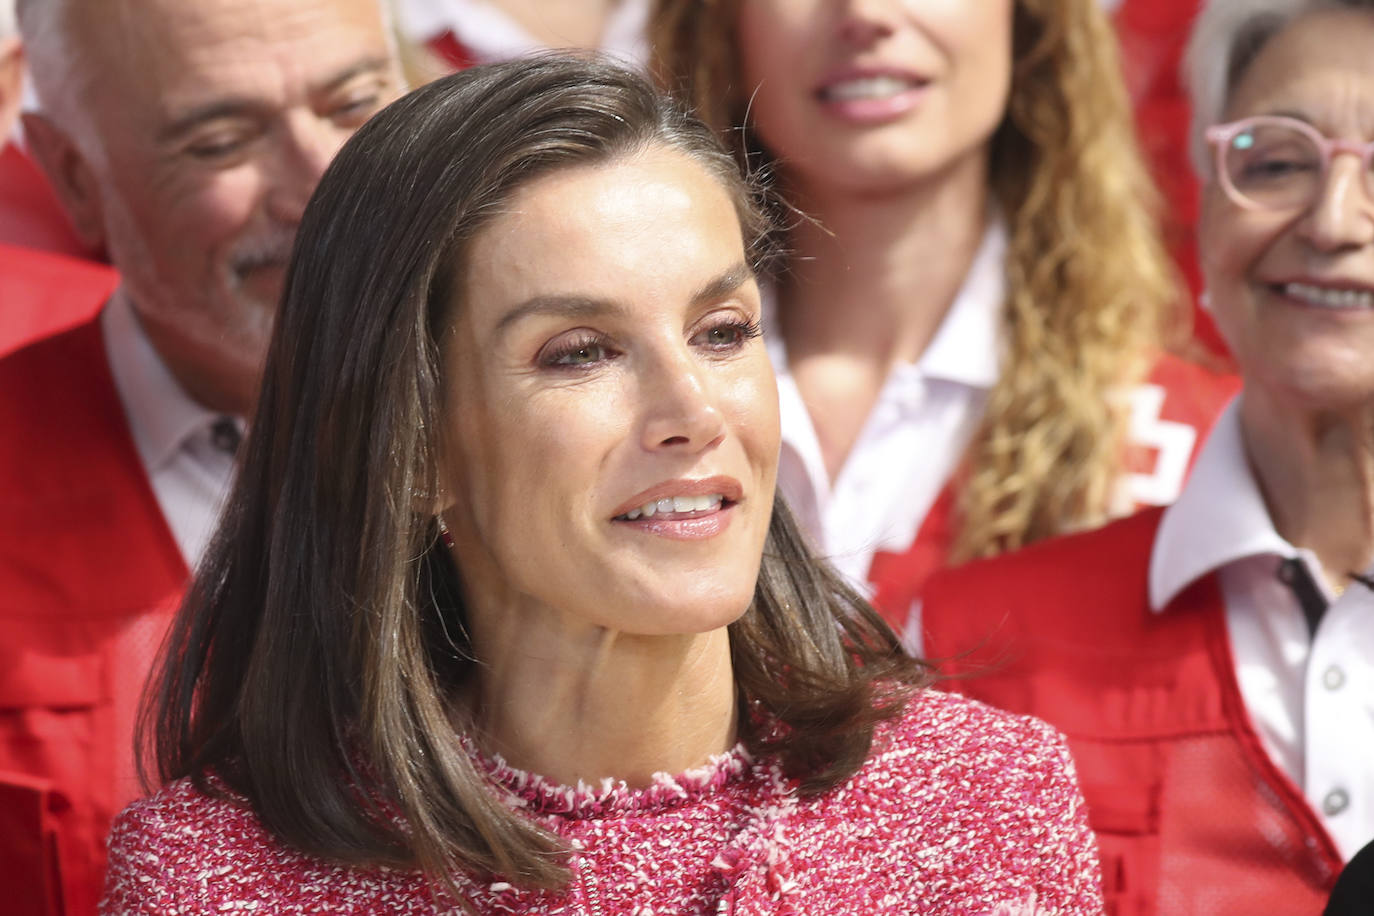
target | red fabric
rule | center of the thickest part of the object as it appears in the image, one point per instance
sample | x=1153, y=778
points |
x=30, y=214
x=1153, y=36
x=452, y=51
x=28, y=845
x=42, y=293
x=958, y=810
x=1191, y=396
x=89, y=576
x=1191, y=814
x=897, y=578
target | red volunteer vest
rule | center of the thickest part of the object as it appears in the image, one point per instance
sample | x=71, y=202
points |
x=42, y=293
x=1191, y=814
x=89, y=577
x=1170, y=416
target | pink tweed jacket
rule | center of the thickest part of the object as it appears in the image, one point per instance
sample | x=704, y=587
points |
x=960, y=811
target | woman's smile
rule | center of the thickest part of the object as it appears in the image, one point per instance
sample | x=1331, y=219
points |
x=683, y=509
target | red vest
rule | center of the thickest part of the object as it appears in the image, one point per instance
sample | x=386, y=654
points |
x=89, y=577
x=42, y=293
x=1187, y=395
x=1191, y=814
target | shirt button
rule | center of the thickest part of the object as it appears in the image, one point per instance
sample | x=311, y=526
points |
x=225, y=435
x=1333, y=678
x=1336, y=801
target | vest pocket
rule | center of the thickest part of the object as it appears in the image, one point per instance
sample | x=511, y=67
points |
x=1125, y=818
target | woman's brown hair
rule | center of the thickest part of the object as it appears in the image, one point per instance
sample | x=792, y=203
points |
x=1090, y=288
x=313, y=666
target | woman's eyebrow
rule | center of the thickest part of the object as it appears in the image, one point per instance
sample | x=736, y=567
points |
x=724, y=283
x=575, y=306
x=569, y=306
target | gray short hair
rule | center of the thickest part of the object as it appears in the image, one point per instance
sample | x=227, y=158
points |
x=60, y=81
x=45, y=26
x=1226, y=38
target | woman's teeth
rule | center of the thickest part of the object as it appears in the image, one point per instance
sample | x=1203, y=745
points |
x=678, y=504
x=867, y=87
x=1323, y=297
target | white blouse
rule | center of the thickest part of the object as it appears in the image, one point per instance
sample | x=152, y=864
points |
x=911, y=444
x=1311, y=698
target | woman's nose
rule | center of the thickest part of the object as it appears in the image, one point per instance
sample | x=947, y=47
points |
x=1342, y=215
x=862, y=22
x=680, y=405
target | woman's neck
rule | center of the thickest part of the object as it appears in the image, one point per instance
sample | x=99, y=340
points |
x=876, y=274
x=869, y=283
x=573, y=702
x=1316, y=470
x=566, y=24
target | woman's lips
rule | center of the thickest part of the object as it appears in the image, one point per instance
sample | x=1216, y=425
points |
x=683, y=509
x=683, y=526
x=869, y=97
x=1333, y=297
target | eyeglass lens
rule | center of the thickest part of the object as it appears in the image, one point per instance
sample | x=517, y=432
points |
x=1276, y=166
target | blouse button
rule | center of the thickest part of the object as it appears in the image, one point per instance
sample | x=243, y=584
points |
x=1333, y=678
x=1336, y=801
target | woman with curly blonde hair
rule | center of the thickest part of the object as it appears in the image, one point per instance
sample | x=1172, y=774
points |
x=971, y=324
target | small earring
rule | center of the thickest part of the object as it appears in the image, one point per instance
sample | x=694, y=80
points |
x=444, y=534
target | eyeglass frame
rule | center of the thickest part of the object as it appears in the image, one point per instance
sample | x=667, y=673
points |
x=1219, y=137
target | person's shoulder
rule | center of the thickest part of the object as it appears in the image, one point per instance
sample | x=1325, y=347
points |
x=982, y=798
x=57, y=380
x=164, y=848
x=186, y=850
x=937, y=729
x=181, y=818
x=1109, y=559
x=41, y=351
x=1005, y=773
x=46, y=293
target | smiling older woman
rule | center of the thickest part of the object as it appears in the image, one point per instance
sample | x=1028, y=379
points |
x=507, y=509
x=1215, y=661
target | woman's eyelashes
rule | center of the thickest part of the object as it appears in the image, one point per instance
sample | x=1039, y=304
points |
x=728, y=334
x=586, y=349
x=578, y=352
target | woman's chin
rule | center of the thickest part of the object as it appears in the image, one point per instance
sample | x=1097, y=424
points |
x=1327, y=380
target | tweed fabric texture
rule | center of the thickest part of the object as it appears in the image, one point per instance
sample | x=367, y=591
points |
x=960, y=810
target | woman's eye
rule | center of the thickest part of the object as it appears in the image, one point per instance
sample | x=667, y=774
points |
x=579, y=353
x=728, y=336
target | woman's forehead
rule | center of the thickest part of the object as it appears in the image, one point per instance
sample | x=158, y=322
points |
x=610, y=231
x=1318, y=68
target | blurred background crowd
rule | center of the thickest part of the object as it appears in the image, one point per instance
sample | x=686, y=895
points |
x=1071, y=309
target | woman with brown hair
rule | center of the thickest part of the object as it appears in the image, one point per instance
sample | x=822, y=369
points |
x=503, y=554
x=970, y=324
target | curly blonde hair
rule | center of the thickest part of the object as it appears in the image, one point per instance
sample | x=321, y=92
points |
x=1090, y=288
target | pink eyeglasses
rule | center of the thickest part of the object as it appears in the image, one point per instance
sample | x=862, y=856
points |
x=1275, y=163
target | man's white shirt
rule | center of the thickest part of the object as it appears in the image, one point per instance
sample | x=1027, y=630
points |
x=175, y=437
